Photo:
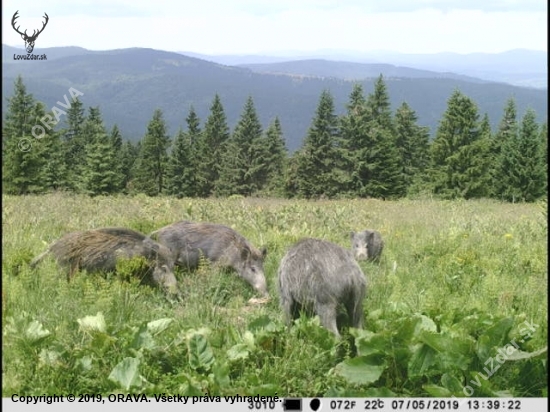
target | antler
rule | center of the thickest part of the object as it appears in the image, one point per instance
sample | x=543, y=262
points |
x=15, y=16
x=35, y=35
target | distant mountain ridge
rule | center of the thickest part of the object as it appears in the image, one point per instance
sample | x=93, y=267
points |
x=129, y=84
x=520, y=67
x=350, y=71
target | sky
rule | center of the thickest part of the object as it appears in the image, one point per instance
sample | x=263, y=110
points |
x=276, y=27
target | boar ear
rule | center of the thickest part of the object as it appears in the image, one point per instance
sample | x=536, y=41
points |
x=151, y=243
x=263, y=251
x=245, y=253
x=351, y=235
x=153, y=235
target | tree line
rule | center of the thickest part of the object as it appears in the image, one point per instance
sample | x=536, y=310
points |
x=367, y=152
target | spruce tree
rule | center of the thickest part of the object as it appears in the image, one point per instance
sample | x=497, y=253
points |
x=387, y=179
x=412, y=142
x=180, y=172
x=379, y=105
x=116, y=142
x=275, y=158
x=523, y=167
x=353, y=142
x=128, y=155
x=318, y=172
x=290, y=178
x=100, y=175
x=459, y=156
x=193, y=127
x=210, y=148
x=371, y=159
x=74, y=144
x=150, y=168
x=243, y=163
x=22, y=132
x=506, y=135
x=194, y=135
x=544, y=146
x=54, y=170
x=116, y=139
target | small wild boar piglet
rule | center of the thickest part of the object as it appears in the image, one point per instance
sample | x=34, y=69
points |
x=367, y=245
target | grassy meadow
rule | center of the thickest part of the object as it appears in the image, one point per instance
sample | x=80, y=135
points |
x=458, y=282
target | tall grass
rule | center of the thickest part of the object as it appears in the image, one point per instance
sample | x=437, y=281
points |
x=446, y=260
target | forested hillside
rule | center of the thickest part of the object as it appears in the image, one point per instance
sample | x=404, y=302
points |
x=369, y=151
x=129, y=84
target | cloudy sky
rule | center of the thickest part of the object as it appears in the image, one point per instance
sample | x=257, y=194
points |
x=279, y=26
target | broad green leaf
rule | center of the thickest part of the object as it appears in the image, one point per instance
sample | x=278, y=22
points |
x=157, y=326
x=447, y=343
x=479, y=385
x=48, y=357
x=407, y=327
x=143, y=339
x=450, y=353
x=200, y=353
x=190, y=386
x=370, y=342
x=473, y=324
x=238, y=351
x=378, y=393
x=452, y=384
x=361, y=370
x=93, y=323
x=520, y=355
x=436, y=341
x=360, y=333
x=398, y=307
x=376, y=314
x=425, y=324
x=192, y=332
x=186, y=335
x=493, y=338
x=422, y=359
x=248, y=339
x=35, y=332
x=126, y=373
x=453, y=360
x=437, y=391
x=85, y=363
x=221, y=375
x=263, y=322
x=504, y=394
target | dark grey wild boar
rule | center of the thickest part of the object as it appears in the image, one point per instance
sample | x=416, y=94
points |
x=319, y=277
x=188, y=241
x=99, y=249
x=367, y=245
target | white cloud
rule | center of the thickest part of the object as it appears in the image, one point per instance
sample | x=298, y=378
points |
x=253, y=26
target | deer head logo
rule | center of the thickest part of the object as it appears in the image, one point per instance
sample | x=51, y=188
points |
x=29, y=40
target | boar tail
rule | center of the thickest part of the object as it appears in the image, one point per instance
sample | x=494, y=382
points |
x=38, y=259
